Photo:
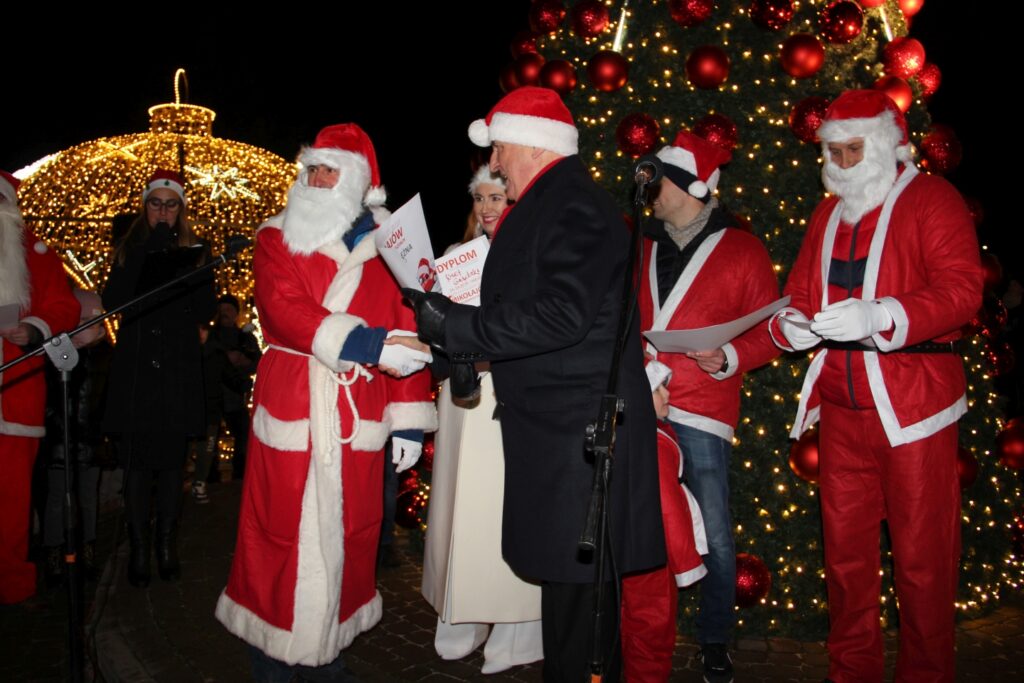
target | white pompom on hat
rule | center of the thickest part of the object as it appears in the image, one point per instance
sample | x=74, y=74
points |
x=530, y=116
x=866, y=114
x=347, y=140
x=692, y=163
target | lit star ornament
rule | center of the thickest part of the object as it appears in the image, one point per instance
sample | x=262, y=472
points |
x=223, y=182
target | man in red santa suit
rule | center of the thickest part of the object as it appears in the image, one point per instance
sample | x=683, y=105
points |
x=328, y=394
x=36, y=302
x=887, y=274
x=701, y=270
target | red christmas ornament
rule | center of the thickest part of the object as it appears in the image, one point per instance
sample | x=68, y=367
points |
x=1010, y=444
x=637, y=134
x=991, y=318
x=527, y=68
x=753, y=580
x=507, y=78
x=718, y=129
x=841, y=21
x=941, y=149
x=546, y=15
x=707, y=66
x=410, y=504
x=903, y=57
x=559, y=75
x=608, y=70
x=689, y=13
x=589, y=18
x=993, y=271
x=806, y=117
x=977, y=210
x=1001, y=359
x=872, y=3
x=802, y=55
x=911, y=7
x=898, y=91
x=966, y=467
x=803, y=457
x=523, y=42
x=428, y=454
x=929, y=78
x=771, y=14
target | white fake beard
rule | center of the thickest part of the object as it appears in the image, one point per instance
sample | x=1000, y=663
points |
x=14, y=282
x=317, y=216
x=864, y=186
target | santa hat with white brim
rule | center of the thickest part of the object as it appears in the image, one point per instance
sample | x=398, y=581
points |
x=692, y=163
x=869, y=114
x=529, y=116
x=347, y=142
x=166, y=180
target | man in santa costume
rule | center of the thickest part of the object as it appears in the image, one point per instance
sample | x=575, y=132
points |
x=36, y=302
x=887, y=274
x=701, y=270
x=328, y=394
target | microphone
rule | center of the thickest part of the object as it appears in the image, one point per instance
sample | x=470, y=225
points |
x=648, y=170
x=234, y=244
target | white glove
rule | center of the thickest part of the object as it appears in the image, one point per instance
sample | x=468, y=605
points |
x=658, y=374
x=851, y=320
x=404, y=453
x=794, y=326
x=403, y=359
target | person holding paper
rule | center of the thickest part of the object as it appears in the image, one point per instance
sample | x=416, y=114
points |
x=887, y=274
x=701, y=270
x=36, y=302
x=464, y=575
x=550, y=301
x=328, y=394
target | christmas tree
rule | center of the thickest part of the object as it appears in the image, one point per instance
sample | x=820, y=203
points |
x=755, y=77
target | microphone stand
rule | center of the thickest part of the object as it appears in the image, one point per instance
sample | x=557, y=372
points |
x=64, y=356
x=599, y=438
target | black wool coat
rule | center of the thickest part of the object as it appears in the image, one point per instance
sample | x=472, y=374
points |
x=550, y=300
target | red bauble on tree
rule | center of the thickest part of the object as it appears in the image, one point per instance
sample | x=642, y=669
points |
x=527, y=68
x=507, y=78
x=806, y=117
x=637, y=134
x=929, y=78
x=898, y=90
x=546, y=15
x=872, y=3
x=1001, y=359
x=688, y=13
x=428, y=453
x=911, y=7
x=941, y=149
x=991, y=318
x=753, y=580
x=410, y=504
x=718, y=129
x=707, y=66
x=771, y=14
x=966, y=467
x=559, y=75
x=802, y=55
x=903, y=57
x=589, y=18
x=803, y=457
x=1010, y=444
x=523, y=42
x=608, y=70
x=841, y=21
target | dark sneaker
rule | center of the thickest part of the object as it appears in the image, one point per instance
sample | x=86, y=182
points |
x=199, y=492
x=717, y=663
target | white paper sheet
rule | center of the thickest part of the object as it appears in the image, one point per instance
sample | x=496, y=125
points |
x=404, y=244
x=713, y=337
x=460, y=270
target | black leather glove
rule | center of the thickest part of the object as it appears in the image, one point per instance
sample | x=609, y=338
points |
x=431, y=309
x=465, y=382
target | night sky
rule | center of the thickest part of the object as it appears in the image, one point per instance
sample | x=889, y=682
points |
x=275, y=81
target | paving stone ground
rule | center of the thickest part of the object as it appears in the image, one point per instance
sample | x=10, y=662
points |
x=167, y=632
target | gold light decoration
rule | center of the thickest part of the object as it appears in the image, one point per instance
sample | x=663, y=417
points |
x=72, y=199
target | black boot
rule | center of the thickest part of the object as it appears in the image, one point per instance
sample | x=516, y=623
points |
x=138, y=560
x=167, y=552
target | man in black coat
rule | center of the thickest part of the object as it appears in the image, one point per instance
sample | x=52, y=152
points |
x=547, y=321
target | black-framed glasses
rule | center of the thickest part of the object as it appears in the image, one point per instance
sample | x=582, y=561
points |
x=156, y=204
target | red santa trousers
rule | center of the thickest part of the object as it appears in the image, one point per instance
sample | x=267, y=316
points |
x=915, y=488
x=17, y=574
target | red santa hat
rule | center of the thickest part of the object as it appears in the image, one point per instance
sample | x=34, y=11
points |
x=530, y=116
x=9, y=186
x=691, y=162
x=346, y=142
x=167, y=180
x=866, y=114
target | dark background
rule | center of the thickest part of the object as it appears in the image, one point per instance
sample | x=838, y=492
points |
x=408, y=73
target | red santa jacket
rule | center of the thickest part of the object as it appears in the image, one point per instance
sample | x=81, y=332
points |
x=52, y=309
x=923, y=266
x=729, y=276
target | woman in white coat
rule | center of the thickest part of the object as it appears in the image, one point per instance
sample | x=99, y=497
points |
x=476, y=595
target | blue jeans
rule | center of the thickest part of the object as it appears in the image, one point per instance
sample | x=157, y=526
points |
x=706, y=470
x=266, y=669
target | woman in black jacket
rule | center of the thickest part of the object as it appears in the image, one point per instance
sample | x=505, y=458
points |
x=155, y=389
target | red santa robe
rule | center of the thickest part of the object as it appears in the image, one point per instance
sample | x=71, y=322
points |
x=51, y=308
x=302, y=582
